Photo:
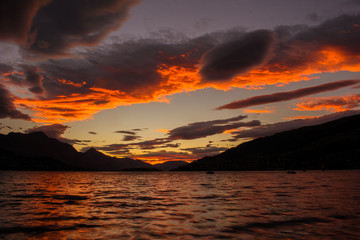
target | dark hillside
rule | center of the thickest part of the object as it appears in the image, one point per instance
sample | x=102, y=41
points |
x=332, y=145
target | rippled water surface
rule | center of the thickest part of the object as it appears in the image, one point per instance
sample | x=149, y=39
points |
x=180, y=205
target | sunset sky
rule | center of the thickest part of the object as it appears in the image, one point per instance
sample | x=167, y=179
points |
x=160, y=80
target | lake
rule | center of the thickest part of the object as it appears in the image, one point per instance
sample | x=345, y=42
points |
x=180, y=205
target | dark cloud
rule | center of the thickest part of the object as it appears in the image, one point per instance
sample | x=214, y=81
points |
x=93, y=133
x=144, y=145
x=229, y=140
x=150, y=144
x=4, y=126
x=341, y=33
x=5, y=69
x=121, y=152
x=144, y=70
x=7, y=106
x=55, y=131
x=129, y=135
x=205, y=151
x=189, y=132
x=305, y=46
x=240, y=56
x=285, y=32
x=285, y=96
x=172, y=145
x=138, y=129
x=126, y=132
x=114, y=147
x=208, y=128
x=129, y=73
x=131, y=68
x=271, y=129
x=53, y=27
x=64, y=24
x=16, y=17
x=29, y=76
x=34, y=79
x=128, y=138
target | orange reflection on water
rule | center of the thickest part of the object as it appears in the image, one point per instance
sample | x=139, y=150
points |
x=183, y=205
x=58, y=204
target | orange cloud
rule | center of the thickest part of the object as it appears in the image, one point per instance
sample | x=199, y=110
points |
x=332, y=104
x=229, y=131
x=68, y=82
x=326, y=60
x=258, y=111
x=179, y=78
x=155, y=70
x=80, y=106
x=163, y=130
x=76, y=106
x=7, y=74
x=176, y=79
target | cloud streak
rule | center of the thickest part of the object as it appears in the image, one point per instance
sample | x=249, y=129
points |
x=126, y=132
x=208, y=128
x=285, y=96
x=333, y=104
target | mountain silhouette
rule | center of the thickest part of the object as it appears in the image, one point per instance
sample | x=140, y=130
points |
x=332, y=145
x=169, y=165
x=36, y=151
x=100, y=161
